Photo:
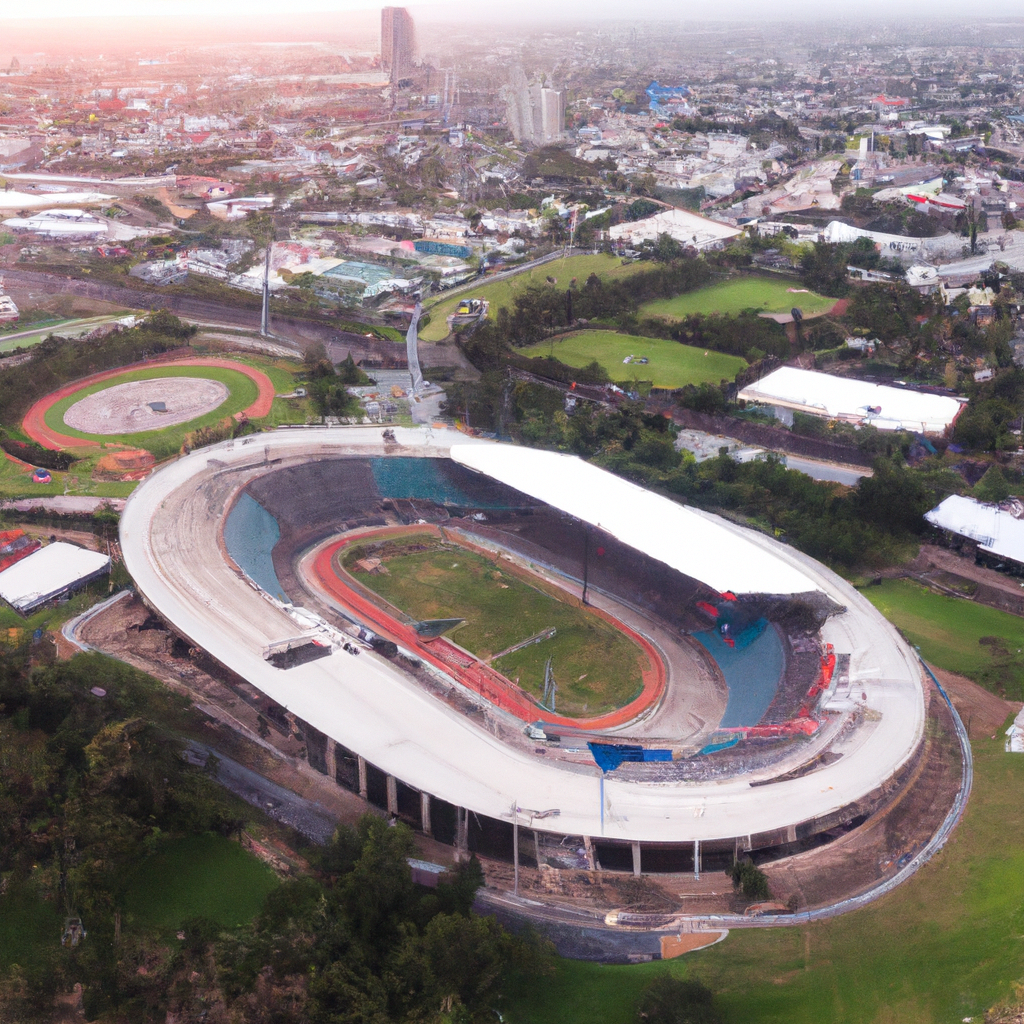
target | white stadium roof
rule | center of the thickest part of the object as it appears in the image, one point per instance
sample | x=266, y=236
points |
x=48, y=573
x=994, y=530
x=699, y=546
x=856, y=401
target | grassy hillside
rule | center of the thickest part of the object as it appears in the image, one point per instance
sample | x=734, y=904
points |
x=670, y=365
x=765, y=294
x=503, y=293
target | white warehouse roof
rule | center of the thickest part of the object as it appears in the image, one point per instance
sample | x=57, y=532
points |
x=48, y=573
x=685, y=227
x=994, y=530
x=691, y=542
x=855, y=401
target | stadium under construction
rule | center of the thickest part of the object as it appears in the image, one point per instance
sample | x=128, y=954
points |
x=778, y=709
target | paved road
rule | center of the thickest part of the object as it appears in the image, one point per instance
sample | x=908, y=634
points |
x=169, y=539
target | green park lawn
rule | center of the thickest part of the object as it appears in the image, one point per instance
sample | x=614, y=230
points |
x=945, y=946
x=950, y=631
x=503, y=293
x=200, y=876
x=596, y=668
x=765, y=294
x=671, y=365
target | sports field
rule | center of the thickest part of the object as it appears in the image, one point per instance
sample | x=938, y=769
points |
x=764, y=294
x=976, y=641
x=503, y=293
x=670, y=365
x=596, y=667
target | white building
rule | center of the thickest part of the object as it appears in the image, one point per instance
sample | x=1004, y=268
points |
x=996, y=530
x=685, y=227
x=854, y=401
x=49, y=574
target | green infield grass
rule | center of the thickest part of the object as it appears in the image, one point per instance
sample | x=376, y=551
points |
x=670, y=365
x=162, y=443
x=943, y=947
x=596, y=667
x=764, y=294
x=971, y=639
x=503, y=293
x=200, y=876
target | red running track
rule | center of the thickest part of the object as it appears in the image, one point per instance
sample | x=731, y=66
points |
x=472, y=673
x=36, y=427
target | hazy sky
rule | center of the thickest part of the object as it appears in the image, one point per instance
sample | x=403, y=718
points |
x=487, y=9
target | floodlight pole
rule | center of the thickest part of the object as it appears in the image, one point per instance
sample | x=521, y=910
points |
x=586, y=559
x=515, y=846
x=265, y=307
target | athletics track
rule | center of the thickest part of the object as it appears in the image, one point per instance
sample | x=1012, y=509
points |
x=36, y=427
x=470, y=671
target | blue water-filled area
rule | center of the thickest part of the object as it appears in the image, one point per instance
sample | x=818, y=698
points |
x=752, y=671
x=250, y=533
x=424, y=479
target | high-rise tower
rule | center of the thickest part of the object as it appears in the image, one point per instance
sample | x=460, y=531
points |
x=397, y=41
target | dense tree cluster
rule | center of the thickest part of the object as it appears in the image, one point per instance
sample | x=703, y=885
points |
x=328, y=386
x=363, y=944
x=56, y=360
x=91, y=786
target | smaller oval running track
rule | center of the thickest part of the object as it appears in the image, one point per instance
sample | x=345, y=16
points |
x=38, y=430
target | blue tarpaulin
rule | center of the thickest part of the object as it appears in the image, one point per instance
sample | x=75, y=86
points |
x=610, y=755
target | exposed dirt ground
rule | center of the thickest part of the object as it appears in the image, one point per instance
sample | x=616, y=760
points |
x=982, y=712
x=127, y=408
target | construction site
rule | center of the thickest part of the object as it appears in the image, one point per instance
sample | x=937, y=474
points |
x=772, y=713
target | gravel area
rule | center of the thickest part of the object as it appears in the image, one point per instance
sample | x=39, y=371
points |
x=146, y=405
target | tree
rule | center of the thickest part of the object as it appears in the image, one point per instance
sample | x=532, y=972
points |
x=893, y=498
x=992, y=487
x=749, y=879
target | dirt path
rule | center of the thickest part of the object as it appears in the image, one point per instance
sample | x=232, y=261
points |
x=38, y=430
x=983, y=712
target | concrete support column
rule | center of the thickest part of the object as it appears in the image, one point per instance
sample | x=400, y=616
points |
x=636, y=858
x=361, y=762
x=392, y=795
x=696, y=858
x=461, y=833
x=588, y=848
x=536, y=846
x=425, y=814
x=330, y=760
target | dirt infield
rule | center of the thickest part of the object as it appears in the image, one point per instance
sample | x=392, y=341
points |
x=129, y=408
x=36, y=428
x=471, y=672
